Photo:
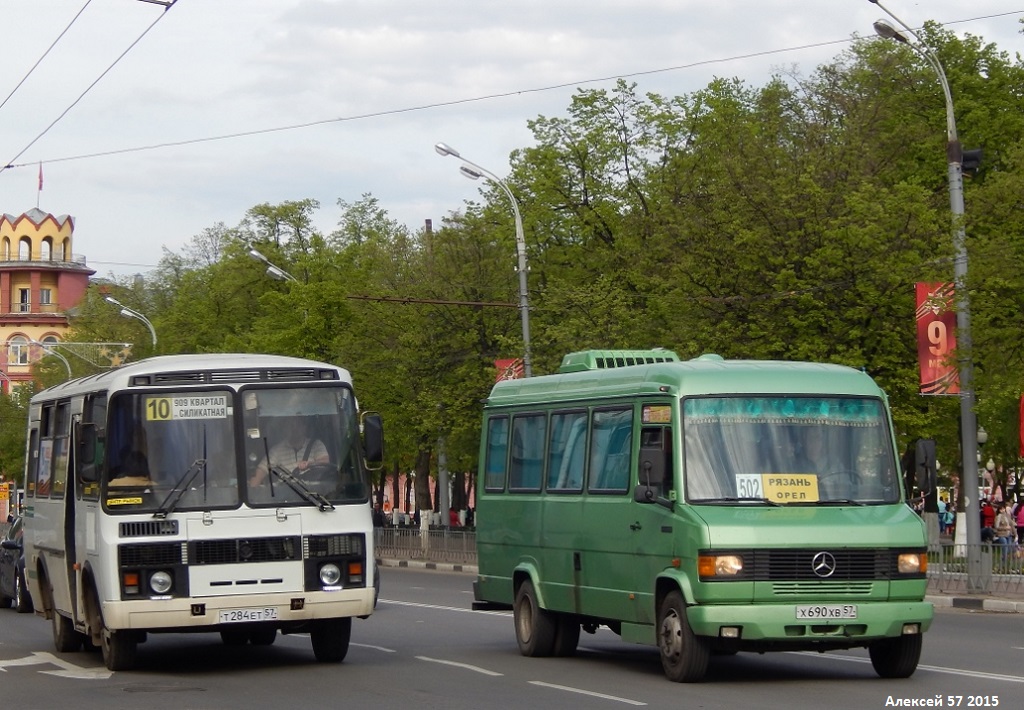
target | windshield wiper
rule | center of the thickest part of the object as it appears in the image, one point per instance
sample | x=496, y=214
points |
x=827, y=501
x=179, y=488
x=736, y=499
x=299, y=487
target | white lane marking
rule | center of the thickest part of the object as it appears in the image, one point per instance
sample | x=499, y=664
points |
x=476, y=669
x=375, y=648
x=69, y=670
x=932, y=669
x=446, y=608
x=586, y=692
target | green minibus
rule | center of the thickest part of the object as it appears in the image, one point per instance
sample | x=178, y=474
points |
x=706, y=506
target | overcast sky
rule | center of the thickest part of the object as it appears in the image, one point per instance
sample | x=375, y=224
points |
x=381, y=81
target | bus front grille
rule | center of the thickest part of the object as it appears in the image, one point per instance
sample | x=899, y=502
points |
x=241, y=550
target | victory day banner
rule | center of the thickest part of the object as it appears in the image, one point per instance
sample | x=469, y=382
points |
x=936, y=339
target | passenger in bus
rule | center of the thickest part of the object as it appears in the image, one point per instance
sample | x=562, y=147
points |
x=297, y=453
x=134, y=465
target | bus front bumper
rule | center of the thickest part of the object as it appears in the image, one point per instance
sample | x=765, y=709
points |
x=282, y=610
x=788, y=623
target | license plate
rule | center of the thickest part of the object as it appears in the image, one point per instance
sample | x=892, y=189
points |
x=235, y=616
x=827, y=611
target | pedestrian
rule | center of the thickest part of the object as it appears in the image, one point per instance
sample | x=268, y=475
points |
x=942, y=515
x=988, y=520
x=1003, y=529
x=453, y=518
x=378, y=516
x=1018, y=514
x=950, y=518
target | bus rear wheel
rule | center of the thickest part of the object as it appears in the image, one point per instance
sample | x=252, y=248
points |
x=535, y=627
x=684, y=655
x=330, y=639
x=896, y=657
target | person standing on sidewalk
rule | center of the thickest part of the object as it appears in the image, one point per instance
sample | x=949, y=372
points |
x=1004, y=530
x=1018, y=514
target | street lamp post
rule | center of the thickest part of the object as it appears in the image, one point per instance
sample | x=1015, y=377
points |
x=49, y=350
x=129, y=313
x=273, y=271
x=475, y=172
x=968, y=420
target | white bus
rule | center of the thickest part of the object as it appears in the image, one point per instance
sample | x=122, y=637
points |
x=158, y=500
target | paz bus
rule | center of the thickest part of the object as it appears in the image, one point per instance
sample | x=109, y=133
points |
x=144, y=513
x=703, y=506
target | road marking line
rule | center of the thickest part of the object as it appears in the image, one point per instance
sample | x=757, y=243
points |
x=375, y=648
x=446, y=608
x=468, y=667
x=586, y=692
x=933, y=669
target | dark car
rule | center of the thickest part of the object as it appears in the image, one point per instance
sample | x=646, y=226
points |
x=12, y=571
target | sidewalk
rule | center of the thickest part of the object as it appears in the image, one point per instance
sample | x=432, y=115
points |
x=987, y=602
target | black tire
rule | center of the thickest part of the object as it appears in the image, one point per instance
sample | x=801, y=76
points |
x=65, y=638
x=330, y=639
x=684, y=655
x=22, y=599
x=234, y=637
x=263, y=637
x=896, y=657
x=567, y=635
x=119, y=650
x=535, y=627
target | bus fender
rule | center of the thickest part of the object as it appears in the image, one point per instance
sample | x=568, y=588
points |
x=45, y=606
x=527, y=570
x=672, y=579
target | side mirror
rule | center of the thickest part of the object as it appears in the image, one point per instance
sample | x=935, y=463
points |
x=919, y=466
x=652, y=475
x=86, y=453
x=373, y=440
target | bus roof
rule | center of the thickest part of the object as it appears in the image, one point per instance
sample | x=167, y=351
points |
x=705, y=375
x=200, y=369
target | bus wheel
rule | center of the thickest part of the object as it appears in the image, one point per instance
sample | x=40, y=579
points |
x=567, y=635
x=118, y=650
x=263, y=637
x=896, y=657
x=684, y=655
x=65, y=638
x=535, y=627
x=330, y=639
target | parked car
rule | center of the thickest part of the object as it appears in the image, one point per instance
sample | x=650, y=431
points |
x=12, y=571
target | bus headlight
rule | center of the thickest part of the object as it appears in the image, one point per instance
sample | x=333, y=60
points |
x=711, y=566
x=161, y=582
x=912, y=563
x=330, y=574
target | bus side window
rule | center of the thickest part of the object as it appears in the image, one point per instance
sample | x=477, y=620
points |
x=496, y=454
x=610, y=450
x=528, y=438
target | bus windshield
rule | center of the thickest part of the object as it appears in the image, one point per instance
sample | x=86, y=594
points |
x=171, y=451
x=788, y=450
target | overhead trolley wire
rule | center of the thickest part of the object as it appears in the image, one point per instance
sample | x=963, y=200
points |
x=9, y=163
x=48, y=49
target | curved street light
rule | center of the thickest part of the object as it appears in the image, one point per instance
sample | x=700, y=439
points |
x=968, y=419
x=273, y=271
x=129, y=313
x=49, y=349
x=475, y=172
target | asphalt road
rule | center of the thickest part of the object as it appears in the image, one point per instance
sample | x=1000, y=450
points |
x=425, y=648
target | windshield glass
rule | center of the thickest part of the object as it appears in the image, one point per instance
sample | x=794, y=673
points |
x=301, y=446
x=155, y=442
x=166, y=452
x=788, y=450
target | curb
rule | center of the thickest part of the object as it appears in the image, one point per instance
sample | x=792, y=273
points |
x=1005, y=606
x=940, y=601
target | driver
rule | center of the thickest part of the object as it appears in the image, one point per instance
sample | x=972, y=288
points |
x=298, y=452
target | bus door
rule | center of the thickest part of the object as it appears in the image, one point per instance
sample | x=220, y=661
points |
x=613, y=524
x=83, y=521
